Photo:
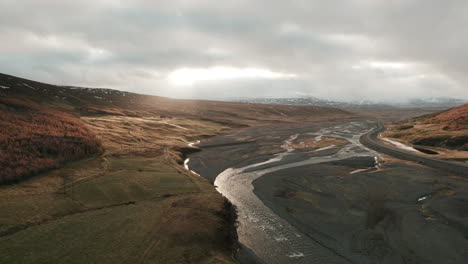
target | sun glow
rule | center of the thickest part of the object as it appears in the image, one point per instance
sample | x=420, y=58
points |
x=381, y=65
x=188, y=76
x=387, y=65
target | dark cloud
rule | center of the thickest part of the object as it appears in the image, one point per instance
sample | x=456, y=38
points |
x=353, y=49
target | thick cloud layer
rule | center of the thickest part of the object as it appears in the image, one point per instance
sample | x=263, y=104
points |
x=338, y=49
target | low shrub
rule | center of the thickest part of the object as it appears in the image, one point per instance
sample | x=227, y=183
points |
x=34, y=139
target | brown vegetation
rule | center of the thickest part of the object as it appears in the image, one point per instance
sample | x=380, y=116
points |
x=452, y=119
x=36, y=139
x=312, y=143
x=100, y=111
x=446, y=129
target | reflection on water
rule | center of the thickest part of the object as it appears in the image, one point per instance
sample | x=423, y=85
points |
x=400, y=145
x=187, y=160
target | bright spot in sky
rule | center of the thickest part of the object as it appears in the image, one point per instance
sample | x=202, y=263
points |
x=380, y=65
x=95, y=54
x=188, y=76
x=387, y=65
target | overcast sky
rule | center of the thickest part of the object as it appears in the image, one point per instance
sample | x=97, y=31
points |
x=342, y=50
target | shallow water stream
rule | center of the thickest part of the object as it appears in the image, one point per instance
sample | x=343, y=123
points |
x=269, y=236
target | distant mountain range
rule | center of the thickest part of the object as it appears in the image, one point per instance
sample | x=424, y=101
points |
x=412, y=103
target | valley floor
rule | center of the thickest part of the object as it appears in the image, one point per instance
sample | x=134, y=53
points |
x=335, y=204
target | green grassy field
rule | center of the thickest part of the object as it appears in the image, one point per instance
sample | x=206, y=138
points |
x=133, y=210
x=134, y=204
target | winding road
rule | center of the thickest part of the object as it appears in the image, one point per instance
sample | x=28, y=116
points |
x=371, y=141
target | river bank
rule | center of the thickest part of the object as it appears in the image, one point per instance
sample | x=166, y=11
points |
x=209, y=163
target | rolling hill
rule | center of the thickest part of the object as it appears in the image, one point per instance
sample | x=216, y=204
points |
x=42, y=116
x=88, y=101
x=445, y=129
x=108, y=175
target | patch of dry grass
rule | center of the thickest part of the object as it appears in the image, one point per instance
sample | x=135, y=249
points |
x=123, y=134
x=312, y=143
x=447, y=129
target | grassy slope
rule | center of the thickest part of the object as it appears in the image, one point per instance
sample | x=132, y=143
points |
x=446, y=129
x=90, y=101
x=135, y=203
x=115, y=210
